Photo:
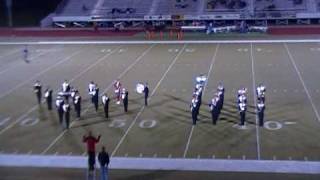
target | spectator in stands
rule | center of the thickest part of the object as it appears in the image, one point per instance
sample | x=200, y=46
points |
x=91, y=142
x=104, y=160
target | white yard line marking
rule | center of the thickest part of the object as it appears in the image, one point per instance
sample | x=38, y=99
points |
x=143, y=107
x=255, y=103
x=36, y=106
x=174, y=164
x=11, y=53
x=290, y=123
x=204, y=90
x=39, y=74
x=105, y=90
x=302, y=82
x=10, y=66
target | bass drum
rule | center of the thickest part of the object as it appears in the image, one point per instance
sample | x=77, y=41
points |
x=139, y=88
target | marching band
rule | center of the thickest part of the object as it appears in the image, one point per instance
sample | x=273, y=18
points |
x=121, y=95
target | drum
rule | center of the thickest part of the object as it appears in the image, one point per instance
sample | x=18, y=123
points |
x=140, y=88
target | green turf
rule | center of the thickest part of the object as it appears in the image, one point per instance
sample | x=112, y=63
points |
x=170, y=71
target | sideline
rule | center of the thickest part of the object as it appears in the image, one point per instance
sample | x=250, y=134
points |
x=212, y=165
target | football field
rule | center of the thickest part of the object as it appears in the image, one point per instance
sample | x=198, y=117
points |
x=163, y=129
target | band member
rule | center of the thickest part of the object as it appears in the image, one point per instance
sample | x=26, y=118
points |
x=59, y=106
x=66, y=90
x=220, y=87
x=125, y=99
x=193, y=107
x=242, y=91
x=261, y=89
x=199, y=99
x=91, y=88
x=73, y=93
x=261, y=108
x=26, y=54
x=146, y=94
x=242, y=110
x=65, y=86
x=48, y=97
x=95, y=98
x=220, y=96
x=214, y=110
x=242, y=99
x=66, y=110
x=37, y=89
x=77, y=103
x=105, y=101
x=117, y=90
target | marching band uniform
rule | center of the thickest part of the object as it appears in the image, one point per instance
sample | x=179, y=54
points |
x=65, y=86
x=91, y=87
x=59, y=105
x=48, y=97
x=66, y=110
x=242, y=91
x=242, y=99
x=125, y=99
x=37, y=88
x=77, y=104
x=242, y=109
x=95, y=98
x=199, y=98
x=214, y=110
x=261, y=108
x=220, y=95
x=66, y=89
x=105, y=101
x=193, y=107
x=261, y=89
x=146, y=94
x=117, y=87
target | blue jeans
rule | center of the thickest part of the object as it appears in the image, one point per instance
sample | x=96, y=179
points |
x=104, y=172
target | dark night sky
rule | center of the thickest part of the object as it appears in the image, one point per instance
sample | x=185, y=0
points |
x=28, y=12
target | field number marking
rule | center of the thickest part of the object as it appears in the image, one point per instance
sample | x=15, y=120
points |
x=144, y=124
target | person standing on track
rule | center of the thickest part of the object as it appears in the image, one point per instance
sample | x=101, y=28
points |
x=48, y=97
x=37, y=89
x=105, y=101
x=91, y=142
x=104, y=160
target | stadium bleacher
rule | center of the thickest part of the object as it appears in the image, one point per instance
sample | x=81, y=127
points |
x=192, y=9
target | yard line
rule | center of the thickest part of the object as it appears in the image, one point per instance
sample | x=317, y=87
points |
x=105, y=90
x=172, y=164
x=11, y=66
x=10, y=53
x=39, y=74
x=143, y=107
x=204, y=89
x=255, y=102
x=302, y=82
x=36, y=106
